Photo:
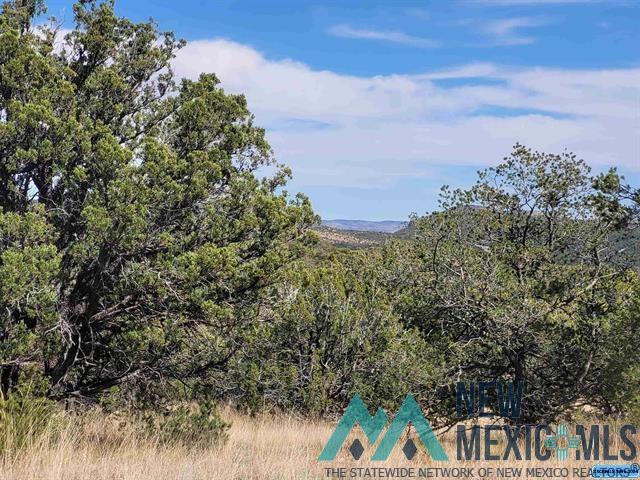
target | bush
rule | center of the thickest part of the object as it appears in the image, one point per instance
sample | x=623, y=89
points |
x=196, y=425
x=331, y=335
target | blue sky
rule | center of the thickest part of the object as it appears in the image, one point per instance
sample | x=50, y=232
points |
x=376, y=104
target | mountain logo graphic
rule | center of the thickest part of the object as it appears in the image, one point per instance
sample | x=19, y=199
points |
x=357, y=413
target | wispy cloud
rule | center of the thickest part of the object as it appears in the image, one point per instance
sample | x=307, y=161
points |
x=367, y=131
x=506, y=31
x=401, y=38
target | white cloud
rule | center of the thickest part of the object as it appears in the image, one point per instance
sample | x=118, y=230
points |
x=506, y=31
x=346, y=31
x=343, y=130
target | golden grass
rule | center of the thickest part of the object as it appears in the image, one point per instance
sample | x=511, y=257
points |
x=264, y=447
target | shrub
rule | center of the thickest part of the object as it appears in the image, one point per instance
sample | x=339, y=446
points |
x=196, y=425
x=332, y=334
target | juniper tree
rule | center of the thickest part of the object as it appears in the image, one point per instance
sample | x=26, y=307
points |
x=136, y=231
x=331, y=334
x=522, y=278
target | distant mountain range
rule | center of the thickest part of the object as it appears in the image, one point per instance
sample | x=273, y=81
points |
x=386, y=226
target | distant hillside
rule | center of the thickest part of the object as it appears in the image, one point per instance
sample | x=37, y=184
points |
x=346, y=236
x=351, y=238
x=385, y=226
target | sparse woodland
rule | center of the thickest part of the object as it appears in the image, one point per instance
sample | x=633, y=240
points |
x=149, y=270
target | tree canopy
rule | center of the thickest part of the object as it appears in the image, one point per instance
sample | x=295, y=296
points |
x=148, y=247
x=136, y=228
x=522, y=278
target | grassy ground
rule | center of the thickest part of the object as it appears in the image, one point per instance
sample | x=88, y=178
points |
x=257, y=448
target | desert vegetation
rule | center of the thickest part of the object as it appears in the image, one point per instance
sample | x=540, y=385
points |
x=167, y=311
x=264, y=446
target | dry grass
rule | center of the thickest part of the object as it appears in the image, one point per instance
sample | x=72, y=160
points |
x=258, y=448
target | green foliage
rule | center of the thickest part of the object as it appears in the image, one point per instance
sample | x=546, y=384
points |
x=331, y=334
x=196, y=425
x=520, y=279
x=136, y=234
x=621, y=375
x=144, y=258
